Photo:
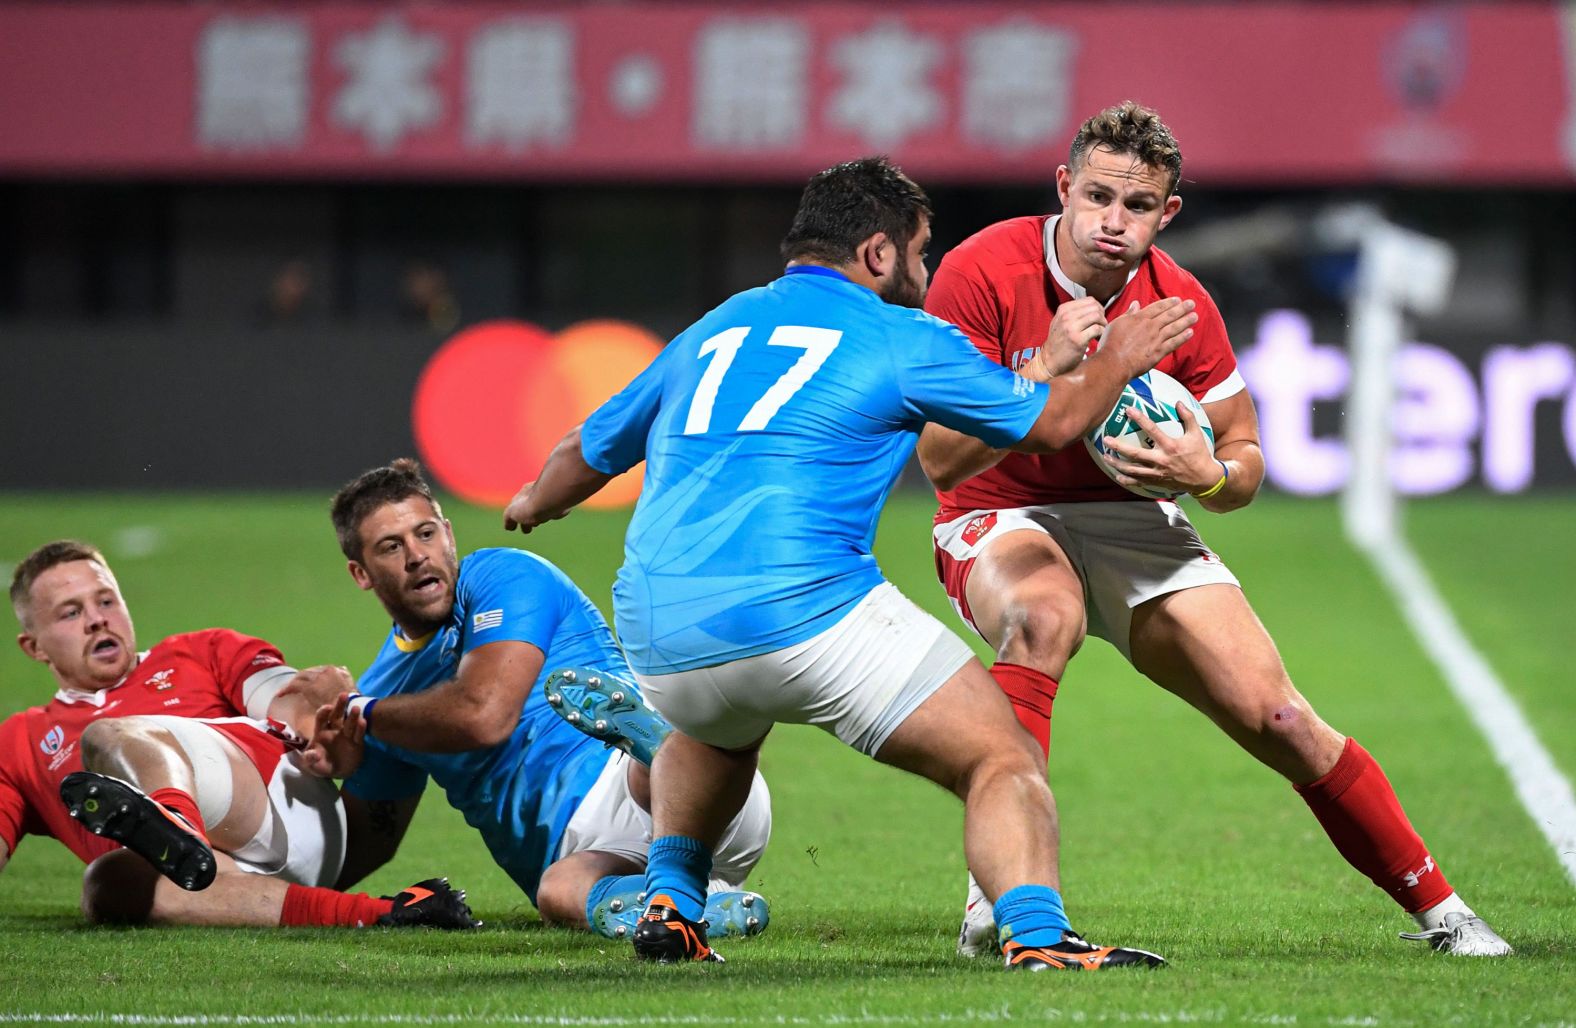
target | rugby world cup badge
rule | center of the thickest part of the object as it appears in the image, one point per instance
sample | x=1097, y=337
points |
x=52, y=740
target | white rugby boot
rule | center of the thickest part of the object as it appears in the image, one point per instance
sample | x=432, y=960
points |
x=977, y=937
x=1463, y=935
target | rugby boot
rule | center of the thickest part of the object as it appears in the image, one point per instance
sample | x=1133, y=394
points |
x=1074, y=954
x=666, y=936
x=119, y=810
x=608, y=708
x=733, y=914
x=1464, y=935
x=617, y=914
x=977, y=936
x=429, y=904
x=736, y=914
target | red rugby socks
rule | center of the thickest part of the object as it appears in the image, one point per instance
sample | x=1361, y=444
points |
x=179, y=802
x=309, y=905
x=1360, y=813
x=1032, y=694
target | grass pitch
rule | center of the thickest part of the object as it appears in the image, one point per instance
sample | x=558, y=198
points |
x=1173, y=839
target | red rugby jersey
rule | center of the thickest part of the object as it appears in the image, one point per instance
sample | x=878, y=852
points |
x=1001, y=286
x=196, y=675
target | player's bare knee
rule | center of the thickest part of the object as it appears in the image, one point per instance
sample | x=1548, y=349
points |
x=1298, y=742
x=118, y=888
x=107, y=742
x=1004, y=765
x=560, y=901
x=1042, y=629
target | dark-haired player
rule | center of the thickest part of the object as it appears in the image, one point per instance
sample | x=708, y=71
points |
x=183, y=753
x=456, y=693
x=1037, y=551
x=772, y=430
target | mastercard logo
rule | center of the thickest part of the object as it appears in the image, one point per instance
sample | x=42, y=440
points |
x=494, y=400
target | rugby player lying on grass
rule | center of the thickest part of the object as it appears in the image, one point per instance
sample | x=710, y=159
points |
x=458, y=693
x=185, y=753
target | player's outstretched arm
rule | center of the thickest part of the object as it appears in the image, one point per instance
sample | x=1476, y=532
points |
x=566, y=481
x=1082, y=397
x=950, y=458
x=373, y=831
x=479, y=707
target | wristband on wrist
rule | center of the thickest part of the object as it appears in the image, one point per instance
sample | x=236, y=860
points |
x=361, y=706
x=1225, y=473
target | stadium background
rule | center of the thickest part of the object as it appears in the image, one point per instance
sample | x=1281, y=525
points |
x=235, y=237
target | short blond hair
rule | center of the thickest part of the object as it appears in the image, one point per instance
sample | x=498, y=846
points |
x=61, y=551
x=1130, y=128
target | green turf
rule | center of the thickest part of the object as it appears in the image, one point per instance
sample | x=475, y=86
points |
x=1173, y=839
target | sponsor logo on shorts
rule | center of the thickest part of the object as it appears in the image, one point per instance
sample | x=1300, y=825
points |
x=977, y=529
x=487, y=619
x=52, y=740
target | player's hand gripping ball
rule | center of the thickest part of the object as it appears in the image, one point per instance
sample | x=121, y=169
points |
x=1158, y=395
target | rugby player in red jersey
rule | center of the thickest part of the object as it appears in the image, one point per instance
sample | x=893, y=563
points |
x=185, y=754
x=1036, y=552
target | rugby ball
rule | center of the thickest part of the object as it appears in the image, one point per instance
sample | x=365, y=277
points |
x=1158, y=395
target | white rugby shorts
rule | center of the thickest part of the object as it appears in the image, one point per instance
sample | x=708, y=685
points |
x=1126, y=553
x=302, y=839
x=609, y=820
x=859, y=679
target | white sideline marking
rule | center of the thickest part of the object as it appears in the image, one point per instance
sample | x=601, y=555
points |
x=995, y=1015
x=1399, y=270
x=1539, y=785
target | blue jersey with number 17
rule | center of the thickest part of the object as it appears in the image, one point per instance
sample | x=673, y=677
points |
x=772, y=431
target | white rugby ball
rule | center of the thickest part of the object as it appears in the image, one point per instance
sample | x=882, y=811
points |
x=1158, y=395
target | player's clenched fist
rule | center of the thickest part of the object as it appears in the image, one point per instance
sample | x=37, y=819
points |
x=1074, y=327
x=1140, y=337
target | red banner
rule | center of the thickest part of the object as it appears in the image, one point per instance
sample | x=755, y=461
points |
x=971, y=92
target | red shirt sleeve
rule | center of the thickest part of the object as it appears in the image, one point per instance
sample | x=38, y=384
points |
x=959, y=293
x=233, y=658
x=1207, y=359
x=16, y=816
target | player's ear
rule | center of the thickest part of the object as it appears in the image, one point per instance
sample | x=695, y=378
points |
x=29, y=646
x=1169, y=209
x=359, y=574
x=880, y=255
x=1064, y=183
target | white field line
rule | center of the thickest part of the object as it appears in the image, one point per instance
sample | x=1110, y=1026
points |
x=996, y=1015
x=1541, y=788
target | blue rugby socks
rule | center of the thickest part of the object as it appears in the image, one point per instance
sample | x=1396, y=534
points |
x=1030, y=915
x=679, y=867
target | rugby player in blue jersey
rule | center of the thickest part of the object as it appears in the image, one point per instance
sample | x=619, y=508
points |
x=455, y=694
x=772, y=431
